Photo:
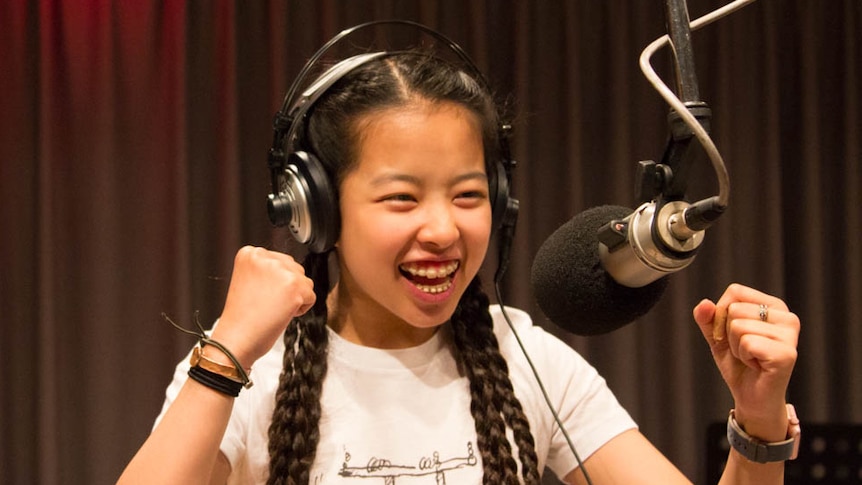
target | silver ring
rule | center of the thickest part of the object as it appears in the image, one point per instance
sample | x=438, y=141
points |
x=764, y=313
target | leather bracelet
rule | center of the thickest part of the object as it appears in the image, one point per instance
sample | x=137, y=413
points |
x=198, y=359
x=763, y=452
x=215, y=381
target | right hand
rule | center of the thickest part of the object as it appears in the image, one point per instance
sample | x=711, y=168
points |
x=267, y=289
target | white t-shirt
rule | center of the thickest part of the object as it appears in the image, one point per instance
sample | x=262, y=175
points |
x=404, y=415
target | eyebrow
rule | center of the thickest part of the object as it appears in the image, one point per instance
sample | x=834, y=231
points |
x=411, y=179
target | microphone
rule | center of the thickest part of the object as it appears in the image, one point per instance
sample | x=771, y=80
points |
x=607, y=266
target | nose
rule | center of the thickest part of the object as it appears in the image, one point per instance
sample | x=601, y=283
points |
x=438, y=227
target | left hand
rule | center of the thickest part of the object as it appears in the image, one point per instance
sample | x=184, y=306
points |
x=755, y=356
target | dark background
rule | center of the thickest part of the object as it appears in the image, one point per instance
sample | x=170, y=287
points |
x=133, y=141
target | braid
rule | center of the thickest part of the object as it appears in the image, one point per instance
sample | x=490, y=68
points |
x=294, y=432
x=494, y=404
x=515, y=418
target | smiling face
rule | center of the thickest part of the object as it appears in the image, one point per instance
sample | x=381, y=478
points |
x=415, y=223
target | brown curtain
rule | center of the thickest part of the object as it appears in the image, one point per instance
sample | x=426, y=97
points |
x=133, y=141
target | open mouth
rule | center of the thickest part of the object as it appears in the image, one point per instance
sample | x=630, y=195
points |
x=430, y=278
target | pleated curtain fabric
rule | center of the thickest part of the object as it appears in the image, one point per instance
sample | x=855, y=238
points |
x=133, y=143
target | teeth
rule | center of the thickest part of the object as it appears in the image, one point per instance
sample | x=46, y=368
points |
x=436, y=288
x=431, y=272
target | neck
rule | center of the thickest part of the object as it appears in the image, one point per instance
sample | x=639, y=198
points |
x=381, y=338
x=375, y=328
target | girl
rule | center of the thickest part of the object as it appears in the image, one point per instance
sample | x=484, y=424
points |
x=400, y=373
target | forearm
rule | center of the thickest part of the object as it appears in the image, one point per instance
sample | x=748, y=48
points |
x=740, y=471
x=267, y=290
x=184, y=446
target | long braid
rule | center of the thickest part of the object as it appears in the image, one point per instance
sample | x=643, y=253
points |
x=515, y=418
x=294, y=432
x=494, y=404
x=498, y=464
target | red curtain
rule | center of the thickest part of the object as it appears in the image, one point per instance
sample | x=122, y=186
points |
x=133, y=140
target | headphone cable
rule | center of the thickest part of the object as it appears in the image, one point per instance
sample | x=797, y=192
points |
x=542, y=386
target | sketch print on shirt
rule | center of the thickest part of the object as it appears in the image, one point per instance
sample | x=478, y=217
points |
x=383, y=468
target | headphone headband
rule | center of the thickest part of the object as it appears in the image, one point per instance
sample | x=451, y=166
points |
x=310, y=95
x=314, y=59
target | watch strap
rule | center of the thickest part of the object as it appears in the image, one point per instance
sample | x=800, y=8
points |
x=760, y=451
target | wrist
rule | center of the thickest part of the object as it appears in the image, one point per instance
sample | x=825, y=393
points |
x=758, y=449
x=228, y=379
x=234, y=342
x=220, y=363
x=767, y=423
x=216, y=354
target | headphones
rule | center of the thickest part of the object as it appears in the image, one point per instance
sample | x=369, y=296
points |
x=303, y=196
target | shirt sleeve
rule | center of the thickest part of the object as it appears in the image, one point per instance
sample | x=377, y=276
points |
x=590, y=413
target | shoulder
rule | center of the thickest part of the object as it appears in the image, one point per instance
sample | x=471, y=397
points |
x=569, y=384
x=525, y=346
x=533, y=354
x=511, y=322
x=515, y=328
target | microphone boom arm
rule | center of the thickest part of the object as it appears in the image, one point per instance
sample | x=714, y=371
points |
x=663, y=235
x=672, y=180
x=689, y=118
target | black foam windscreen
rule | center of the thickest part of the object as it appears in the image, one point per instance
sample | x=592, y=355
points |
x=574, y=290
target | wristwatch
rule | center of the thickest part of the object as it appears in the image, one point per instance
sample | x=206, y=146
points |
x=761, y=451
x=198, y=359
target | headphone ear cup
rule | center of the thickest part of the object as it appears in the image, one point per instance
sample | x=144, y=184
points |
x=319, y=227
x=504, y=215
x=498, y=184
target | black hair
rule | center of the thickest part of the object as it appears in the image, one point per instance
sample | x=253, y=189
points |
x=333, y=133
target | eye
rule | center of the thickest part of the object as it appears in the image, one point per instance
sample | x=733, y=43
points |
x=472, y=194
x=471, y=188
x=400, y=198
x=400, y=201
x=471, y=198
